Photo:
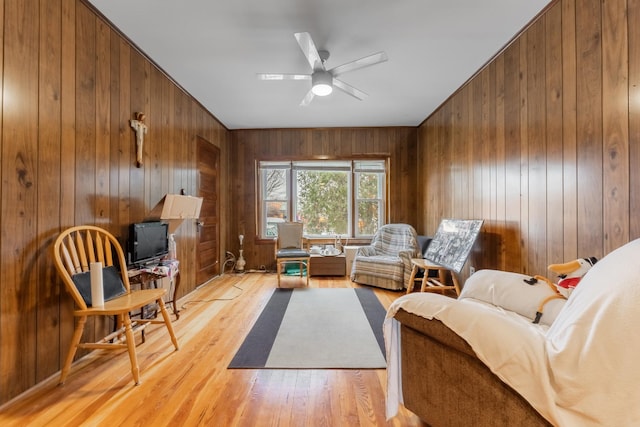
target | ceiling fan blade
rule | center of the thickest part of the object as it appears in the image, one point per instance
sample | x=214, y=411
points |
x=273, y=76
x=367, y=61
x=307, y=99
x=309, y=50
x=349, y=90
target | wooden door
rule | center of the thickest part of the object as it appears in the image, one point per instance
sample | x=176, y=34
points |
x=208, y=249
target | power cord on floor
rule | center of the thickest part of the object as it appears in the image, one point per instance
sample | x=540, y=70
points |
x=262, y=269
x=230, y=260
x=213, y=299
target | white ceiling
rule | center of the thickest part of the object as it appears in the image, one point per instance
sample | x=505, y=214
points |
x=214, y=48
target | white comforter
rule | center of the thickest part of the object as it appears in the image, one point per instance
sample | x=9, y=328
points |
x=581, y=371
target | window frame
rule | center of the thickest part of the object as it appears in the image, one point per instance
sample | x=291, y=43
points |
x=357, y=171
x=350, y=165
x=263, y=203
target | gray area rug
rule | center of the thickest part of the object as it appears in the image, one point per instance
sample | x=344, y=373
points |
x=312, y=328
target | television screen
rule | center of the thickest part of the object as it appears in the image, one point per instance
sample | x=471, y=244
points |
x=148, y=241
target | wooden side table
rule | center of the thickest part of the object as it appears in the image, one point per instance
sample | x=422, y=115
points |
x=432, y=284
x=148, y=275
x=322, y=265
x=144, y=279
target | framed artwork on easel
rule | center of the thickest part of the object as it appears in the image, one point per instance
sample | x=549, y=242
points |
x=453, y=241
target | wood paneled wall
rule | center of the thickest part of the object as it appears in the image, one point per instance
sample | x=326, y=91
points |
x=544, y=142
x=70, y=85
x=251, y=146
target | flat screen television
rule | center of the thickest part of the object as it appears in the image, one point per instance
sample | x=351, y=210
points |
x=148, y=241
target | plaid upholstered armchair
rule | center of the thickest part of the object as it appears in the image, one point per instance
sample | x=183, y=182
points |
x=386, y=263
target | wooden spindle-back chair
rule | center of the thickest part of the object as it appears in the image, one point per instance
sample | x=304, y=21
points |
x=74, y=251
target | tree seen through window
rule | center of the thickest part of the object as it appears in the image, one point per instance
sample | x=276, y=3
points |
x=322, y=202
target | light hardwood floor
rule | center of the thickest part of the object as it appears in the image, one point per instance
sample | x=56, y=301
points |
x=193, y=387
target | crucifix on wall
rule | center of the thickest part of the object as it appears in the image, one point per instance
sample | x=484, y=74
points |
x=140, y=128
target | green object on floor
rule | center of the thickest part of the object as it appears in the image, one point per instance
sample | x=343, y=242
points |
x=293, y=269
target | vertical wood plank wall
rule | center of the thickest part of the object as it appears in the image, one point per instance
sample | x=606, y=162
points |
x=70, y=85
x=251, y=146
x=544, y=142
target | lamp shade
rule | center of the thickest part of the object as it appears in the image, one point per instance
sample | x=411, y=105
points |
x=321, y=83
x=181, y=207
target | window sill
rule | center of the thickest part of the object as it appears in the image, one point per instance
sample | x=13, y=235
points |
x=321, y=241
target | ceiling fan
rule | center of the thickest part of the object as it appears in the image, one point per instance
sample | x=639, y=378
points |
x=322, y=80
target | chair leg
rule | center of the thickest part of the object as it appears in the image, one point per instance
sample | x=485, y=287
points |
x=412, y=279
x=167, y=322
x=443, y=279
x=131, y=346
x=456, y=285
x=73, y=348
x=308, y=265
x=425, y=280
x=278, y=268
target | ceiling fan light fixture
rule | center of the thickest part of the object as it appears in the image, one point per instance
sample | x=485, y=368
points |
x=321, y=83
x=323, y=80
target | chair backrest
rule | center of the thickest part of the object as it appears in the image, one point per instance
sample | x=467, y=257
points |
x=392, y=238
x=289, y=235
x=77, y=247
x=423, y=245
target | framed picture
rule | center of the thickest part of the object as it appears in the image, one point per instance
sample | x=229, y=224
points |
x=453, y=241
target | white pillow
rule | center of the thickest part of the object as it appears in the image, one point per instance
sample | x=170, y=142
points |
x=509, y=291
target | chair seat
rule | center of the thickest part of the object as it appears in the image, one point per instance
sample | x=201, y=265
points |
x=131, y=301
x=382, y=259
x=380, y=266
x=292, y=253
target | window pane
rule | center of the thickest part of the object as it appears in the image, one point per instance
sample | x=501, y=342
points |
x=276, y=184
x=323, y=201
x=368, y=217
x=369, y=165
x=368, y=186
x=276, y=212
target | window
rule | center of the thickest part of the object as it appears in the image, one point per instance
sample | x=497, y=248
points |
x=328, y=197
x=275, y=197
x=369, y=196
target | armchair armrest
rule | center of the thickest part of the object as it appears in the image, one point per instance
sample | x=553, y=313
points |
x=406, y=256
